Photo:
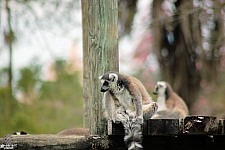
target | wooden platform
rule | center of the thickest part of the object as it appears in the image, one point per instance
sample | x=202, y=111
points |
x=189, y=125
x=191, y=133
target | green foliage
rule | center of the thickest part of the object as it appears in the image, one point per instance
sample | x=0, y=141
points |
x=8, y=107
x=29, y=77
x=57, y=89
x=3, y=77
x=45, y=106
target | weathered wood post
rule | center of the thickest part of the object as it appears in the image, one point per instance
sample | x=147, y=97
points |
x=100, y=54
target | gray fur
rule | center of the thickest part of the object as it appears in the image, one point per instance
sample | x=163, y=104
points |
x=127, y=101
x=133, y=134
x=119, y=93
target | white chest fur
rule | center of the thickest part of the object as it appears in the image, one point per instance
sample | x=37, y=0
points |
x=161, y=103
x=125, y=99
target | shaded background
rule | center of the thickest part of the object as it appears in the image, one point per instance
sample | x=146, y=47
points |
x=179, y=41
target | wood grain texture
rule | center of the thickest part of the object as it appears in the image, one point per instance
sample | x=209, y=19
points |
x=100, y=55
x=56, y=142
x=115, y=142
x=158, y=134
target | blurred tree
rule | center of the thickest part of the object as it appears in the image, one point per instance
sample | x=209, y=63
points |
x=188, y=40
x=100, y=55
x=35, y=111
x=180, y=44
x=29, y=79
x=9, y=38
x=45, y=106
x=126, y=12
x=3, y=77
x=55, y=90
x=34, y=16
x=63, y=94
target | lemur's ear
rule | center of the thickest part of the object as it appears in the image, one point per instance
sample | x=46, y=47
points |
x=166, y=92
x=113, y=77
x=100, y=77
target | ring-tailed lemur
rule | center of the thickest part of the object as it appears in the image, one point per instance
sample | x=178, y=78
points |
x=126, y=100
x=170, y=105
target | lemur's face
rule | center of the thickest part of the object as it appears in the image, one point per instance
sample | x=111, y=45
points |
x=109, y=81
x=160, y=88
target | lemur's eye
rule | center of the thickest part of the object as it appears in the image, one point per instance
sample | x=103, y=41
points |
x=113, y=79
x=106, y=83
x=160, y=86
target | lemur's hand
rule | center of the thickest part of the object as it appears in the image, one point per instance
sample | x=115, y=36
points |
x=140, y=120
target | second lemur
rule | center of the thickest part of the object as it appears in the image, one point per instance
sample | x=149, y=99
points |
x=170, y=105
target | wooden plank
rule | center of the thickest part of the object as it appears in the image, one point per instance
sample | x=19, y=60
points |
x=221, y=127
x=145, y=128
x=118, y=129
x=219, y=142
x=161, y=142
x=116, y=142
x=188, y=125
x=56, y=142
x=109, y=127
x=163, y=127
x=200, y=125
x=115, y=128
x=150, y=127
x=195, y=142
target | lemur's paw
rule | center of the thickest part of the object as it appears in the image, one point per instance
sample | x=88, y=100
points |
x=140, y=120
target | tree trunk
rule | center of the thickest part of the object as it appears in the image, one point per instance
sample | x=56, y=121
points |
x=100, y=54
x=9, y=38
x=178, y=44
x=176, y=39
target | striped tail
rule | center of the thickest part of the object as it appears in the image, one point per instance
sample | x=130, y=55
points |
x=133, y=134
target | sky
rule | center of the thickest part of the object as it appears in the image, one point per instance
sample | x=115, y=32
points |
x=32, y=41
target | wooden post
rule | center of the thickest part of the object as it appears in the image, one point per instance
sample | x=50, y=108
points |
x=163, y=127
x=100, y=54
x=200, y=124
x=150, y=127
x=221, y=127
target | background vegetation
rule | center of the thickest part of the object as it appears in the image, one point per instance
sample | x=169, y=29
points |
x=43, y=106
x=41, y=96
